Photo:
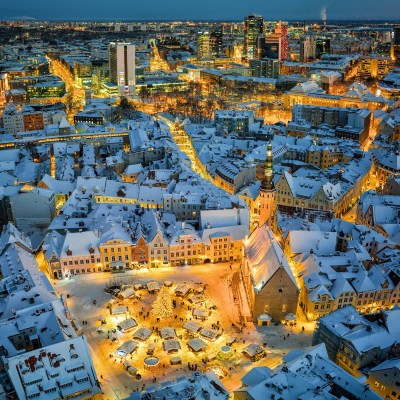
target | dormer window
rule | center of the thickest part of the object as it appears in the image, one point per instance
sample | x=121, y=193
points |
x=69, y=252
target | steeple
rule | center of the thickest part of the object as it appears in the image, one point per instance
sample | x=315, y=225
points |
x=268, y=181
x=267, y=196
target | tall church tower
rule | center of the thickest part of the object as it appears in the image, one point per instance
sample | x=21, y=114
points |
x=267, y=196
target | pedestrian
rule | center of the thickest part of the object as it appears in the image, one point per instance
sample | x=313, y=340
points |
x=302, y=328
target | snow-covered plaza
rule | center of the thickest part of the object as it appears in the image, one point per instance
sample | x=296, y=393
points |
x=196, y=303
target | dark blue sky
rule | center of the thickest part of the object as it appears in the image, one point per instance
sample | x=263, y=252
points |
x=199, y=9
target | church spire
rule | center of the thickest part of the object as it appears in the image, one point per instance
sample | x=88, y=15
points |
x=268, y=181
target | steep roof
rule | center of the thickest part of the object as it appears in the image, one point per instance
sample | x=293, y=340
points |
x=265, y=257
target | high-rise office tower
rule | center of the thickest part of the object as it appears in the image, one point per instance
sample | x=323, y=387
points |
x=204, y=46
x=281, y=29
x=253, y=28
x=122, y=67
x=216, y=41
x=268, y=46
x=274, y=45
x=396, y=43
x=308, y=48
x=323, y=46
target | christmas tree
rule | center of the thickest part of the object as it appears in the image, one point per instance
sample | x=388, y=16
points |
x=162, y=306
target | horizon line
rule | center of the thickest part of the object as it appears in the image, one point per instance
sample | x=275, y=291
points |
x=33, y=19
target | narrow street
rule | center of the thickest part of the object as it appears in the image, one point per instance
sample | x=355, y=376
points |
x=184, y=143
x=77, y=100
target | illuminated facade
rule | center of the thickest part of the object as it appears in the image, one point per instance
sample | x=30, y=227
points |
x=186, y=247
x=396, y=43
x=374, y=67
x=253, y=28
x=204, y=46
x=53, y=89
x=122, y=67
x=115, y=253
x=224, y=245
x=158, y=251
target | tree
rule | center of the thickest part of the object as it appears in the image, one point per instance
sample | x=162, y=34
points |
x=126, y=109
x=162, y=306
x=124, y=103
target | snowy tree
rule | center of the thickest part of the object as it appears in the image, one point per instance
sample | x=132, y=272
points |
x=162, y=306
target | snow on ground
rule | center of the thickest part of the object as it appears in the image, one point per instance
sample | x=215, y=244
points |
x=116, y=382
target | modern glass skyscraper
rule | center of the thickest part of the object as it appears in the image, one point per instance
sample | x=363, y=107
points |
x=204, y=46
x=253, y=28
x=396, y=43
x=122, y=67
x=217, y=41
x=308, y=48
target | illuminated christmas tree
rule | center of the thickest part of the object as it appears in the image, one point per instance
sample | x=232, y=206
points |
x=162, y=306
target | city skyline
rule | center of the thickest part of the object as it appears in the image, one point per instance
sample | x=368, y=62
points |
x=199, y=200
x=206, y=10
